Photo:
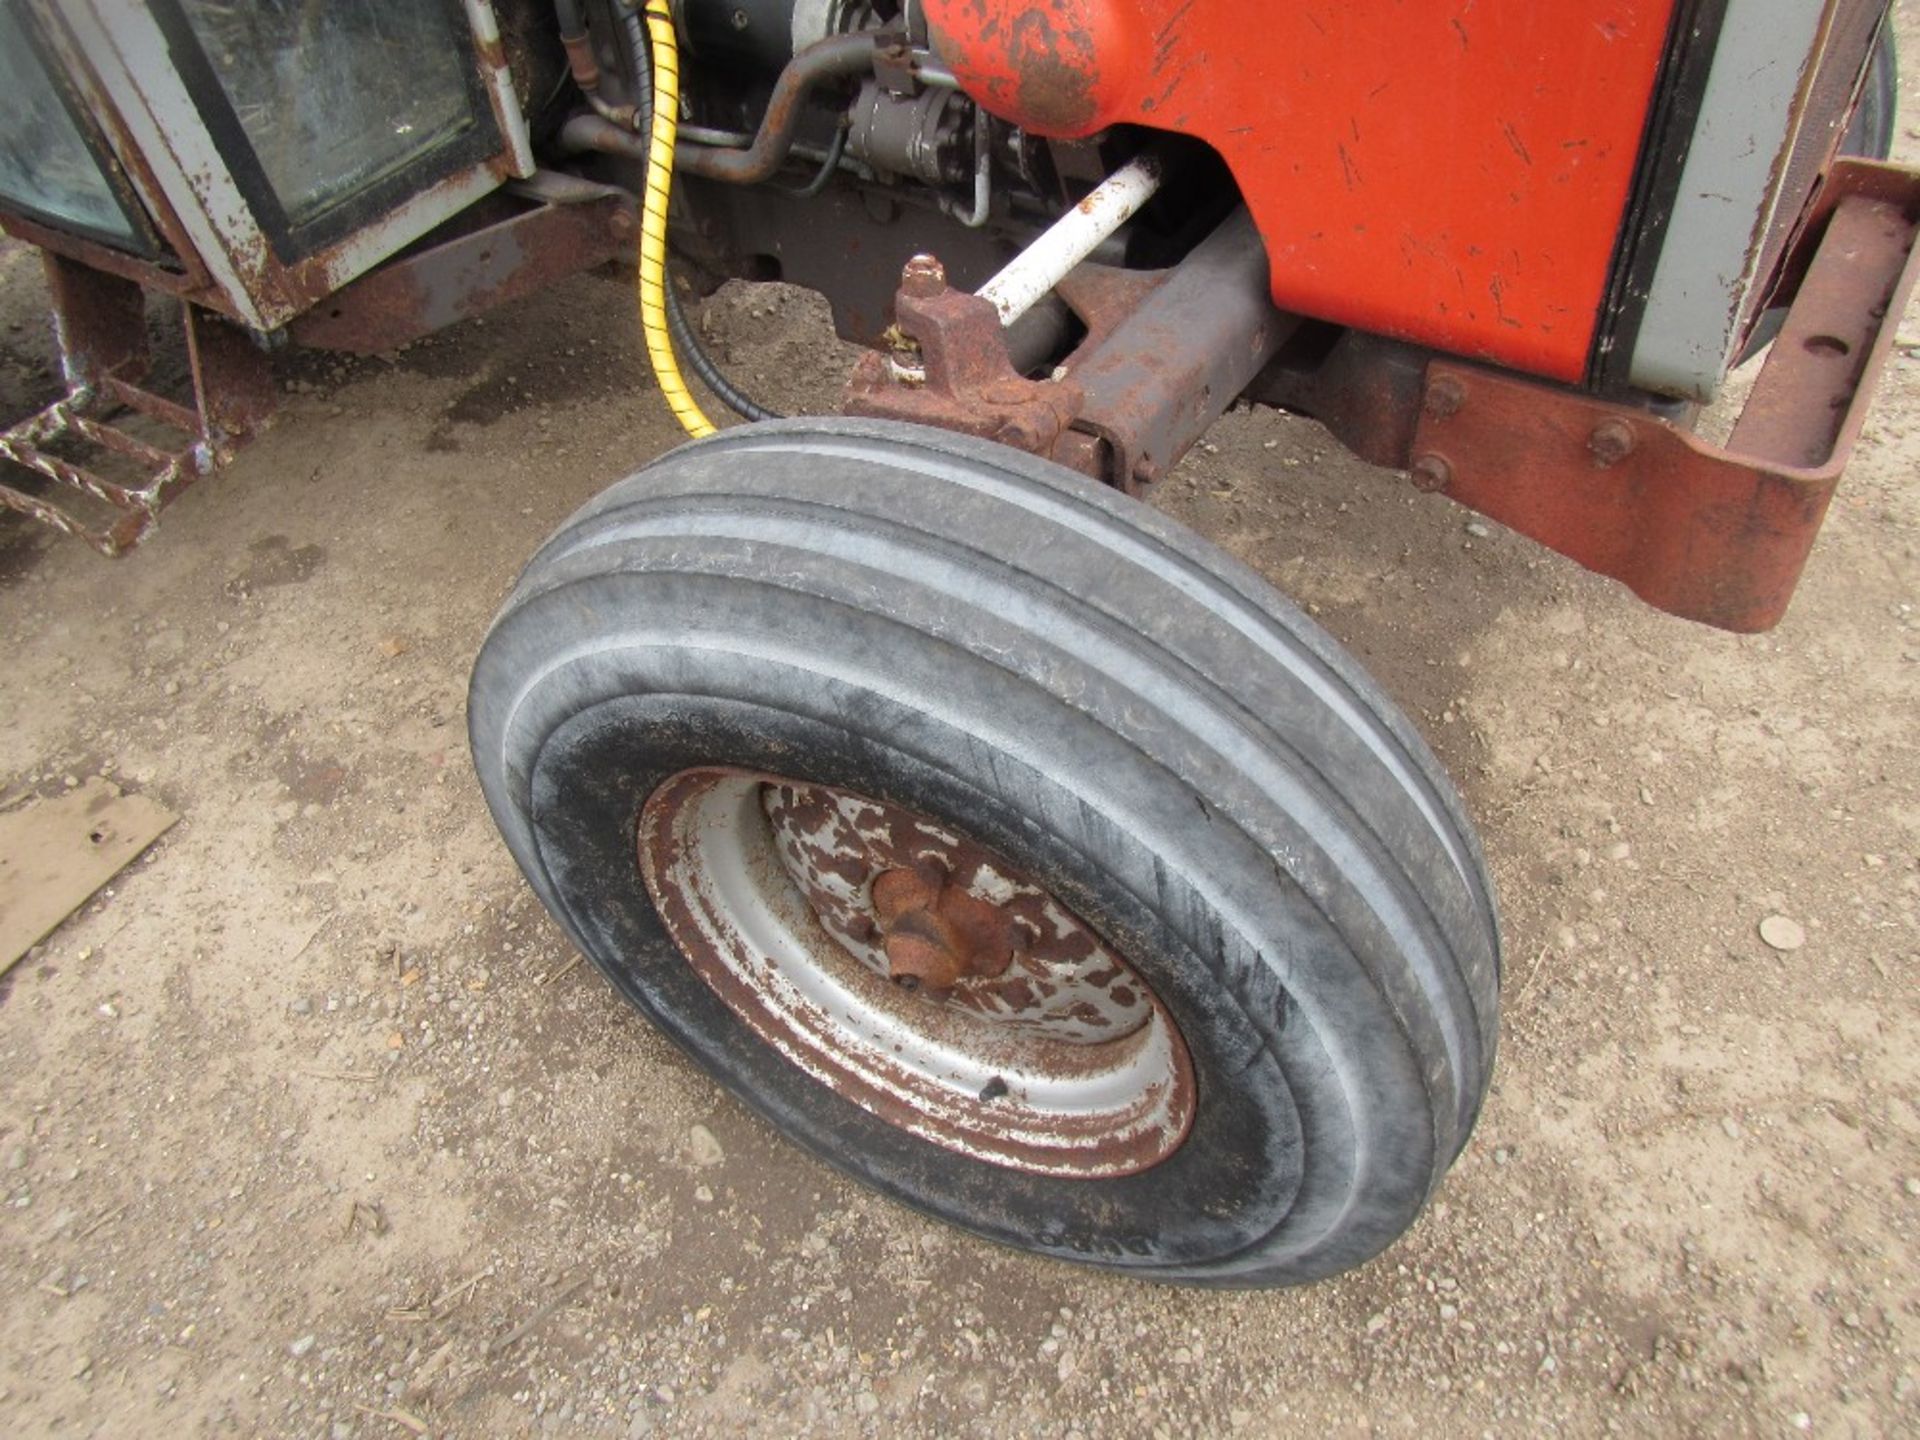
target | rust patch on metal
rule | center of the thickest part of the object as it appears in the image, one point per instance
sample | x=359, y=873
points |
x=951, y=369
x=950, y=915
x=423, y=291
x=113, y=262
x=99, y=320
x=1050, y=68
x=1065, y=1012
x=938, y=933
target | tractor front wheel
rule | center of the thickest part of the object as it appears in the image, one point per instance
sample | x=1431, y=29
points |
x=1002, y=843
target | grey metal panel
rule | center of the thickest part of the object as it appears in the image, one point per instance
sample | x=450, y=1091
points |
x=127, y=52
x=1727, y=195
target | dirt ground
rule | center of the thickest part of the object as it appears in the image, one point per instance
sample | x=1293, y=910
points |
x=309, y=1124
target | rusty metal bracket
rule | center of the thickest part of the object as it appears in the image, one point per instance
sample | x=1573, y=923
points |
x=1710, y=533
x=434, y=285
x=1164, y=354
x=100, y=321
x=950, y=368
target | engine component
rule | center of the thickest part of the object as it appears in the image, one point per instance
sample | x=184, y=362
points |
x=838, y=58
x=924, y=136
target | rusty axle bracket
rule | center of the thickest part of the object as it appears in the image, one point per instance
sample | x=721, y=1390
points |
x=1164, y=354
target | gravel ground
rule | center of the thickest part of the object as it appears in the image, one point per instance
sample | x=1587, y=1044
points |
x=310, y=1124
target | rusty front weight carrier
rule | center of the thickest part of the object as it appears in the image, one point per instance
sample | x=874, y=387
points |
x=1710, y=533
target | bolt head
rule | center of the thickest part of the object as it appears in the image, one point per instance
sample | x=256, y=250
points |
x=1431, y=472
x=1611, y=442
x=1445, y=397
x=923, y=278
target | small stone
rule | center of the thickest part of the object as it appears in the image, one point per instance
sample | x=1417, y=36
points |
x=299, y=1348
x=1375, y=1324
x=17, y=1158
x=704, y=1147
x=302, y=1006
x=1782, y=933
x=703, y=1195
x=1913, y=1188
x=1477, y=530
x=1728, y=1124
x=1801, y=1420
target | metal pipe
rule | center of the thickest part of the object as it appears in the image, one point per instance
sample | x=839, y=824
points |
x=594, y=132
x=583, y=133
x=1070, y=239
x=929, y=71
x=982, y=177
x=585, y=69
x=721, y=139
x=834, y=58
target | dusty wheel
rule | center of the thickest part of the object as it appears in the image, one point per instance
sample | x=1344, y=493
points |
x=1004, y=844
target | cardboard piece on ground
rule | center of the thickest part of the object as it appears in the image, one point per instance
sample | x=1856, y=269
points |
x=55, y=853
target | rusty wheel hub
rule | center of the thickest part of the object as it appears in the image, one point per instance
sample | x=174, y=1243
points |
x=917, y=974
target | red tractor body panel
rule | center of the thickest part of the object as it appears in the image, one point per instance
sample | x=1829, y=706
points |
x=1454, y=174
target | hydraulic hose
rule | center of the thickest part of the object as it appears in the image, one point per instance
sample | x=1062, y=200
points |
x=680, y=339
x=656, y=296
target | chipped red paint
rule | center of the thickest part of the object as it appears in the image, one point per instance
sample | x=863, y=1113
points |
x=1453, y=174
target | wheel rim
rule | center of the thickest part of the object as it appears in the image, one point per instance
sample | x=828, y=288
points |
x=916, y=974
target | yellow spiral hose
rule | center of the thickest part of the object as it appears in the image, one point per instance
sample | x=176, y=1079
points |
x=653, y=224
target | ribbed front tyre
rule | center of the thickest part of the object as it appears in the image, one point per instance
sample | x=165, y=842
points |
x=1004, y=844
